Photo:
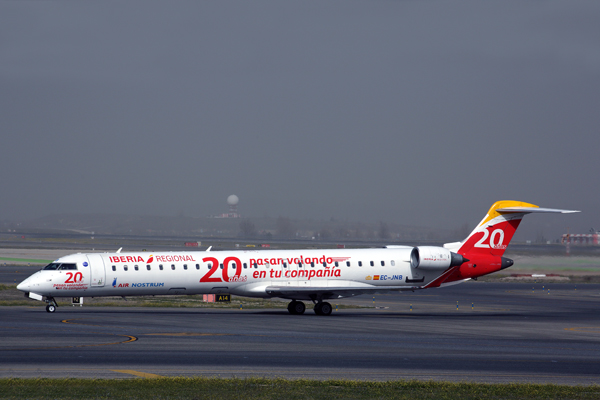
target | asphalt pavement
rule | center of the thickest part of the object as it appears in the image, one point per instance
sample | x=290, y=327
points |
x=476, y=331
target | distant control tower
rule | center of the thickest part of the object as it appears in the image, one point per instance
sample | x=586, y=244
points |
x=233, y=201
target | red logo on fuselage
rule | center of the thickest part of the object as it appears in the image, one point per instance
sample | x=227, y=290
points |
x=124, y=259
x=161, y=258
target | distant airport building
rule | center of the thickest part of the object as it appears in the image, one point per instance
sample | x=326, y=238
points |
x=589, y=239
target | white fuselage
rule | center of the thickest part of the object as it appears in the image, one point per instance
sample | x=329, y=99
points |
x=245, y=273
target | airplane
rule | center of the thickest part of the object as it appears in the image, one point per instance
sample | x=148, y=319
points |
x=296, y=275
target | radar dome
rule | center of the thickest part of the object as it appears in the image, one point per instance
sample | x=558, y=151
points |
x=233, y=200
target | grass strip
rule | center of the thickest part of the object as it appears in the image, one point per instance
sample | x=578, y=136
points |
x=261, y=388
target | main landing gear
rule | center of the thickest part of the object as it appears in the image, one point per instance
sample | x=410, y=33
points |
x=51, y=307
x=323, y=308
x=298, y=308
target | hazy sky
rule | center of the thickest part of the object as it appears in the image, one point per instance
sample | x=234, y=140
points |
x=417, y=112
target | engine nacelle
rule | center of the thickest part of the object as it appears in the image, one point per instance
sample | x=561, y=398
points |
x=431, y=257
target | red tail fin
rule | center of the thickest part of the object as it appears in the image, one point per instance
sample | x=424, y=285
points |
x=494, y=232
x=485, y=246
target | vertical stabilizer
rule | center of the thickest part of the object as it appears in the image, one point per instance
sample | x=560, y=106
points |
x=484, y=247
x=493, y=234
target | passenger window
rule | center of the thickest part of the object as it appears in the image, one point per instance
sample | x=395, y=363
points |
x=255, y=265
x=336, y=264
x=284, y=265
x=324, y=264
x=360, y=263
x=347, y=263
x=148, y=267
x=299, y=265
x=197, y=266
x=114, y=267
x=221, y=265
x=312, y=264
x=184, y=266
x=383, y=263
x=160, y=267
x=393, y=263
x=136, y=268
x=233, y=265
x=372, y=264
x=124, y=267
x=245, y=265
x=173, y=267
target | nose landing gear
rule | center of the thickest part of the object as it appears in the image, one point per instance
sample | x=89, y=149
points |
x=51, y=307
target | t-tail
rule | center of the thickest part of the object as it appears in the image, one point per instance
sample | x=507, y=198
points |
x=483, y=249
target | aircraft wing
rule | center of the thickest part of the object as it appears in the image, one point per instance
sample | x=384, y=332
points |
x=330, y=292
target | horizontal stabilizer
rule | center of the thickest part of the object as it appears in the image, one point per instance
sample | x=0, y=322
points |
x=506, y=210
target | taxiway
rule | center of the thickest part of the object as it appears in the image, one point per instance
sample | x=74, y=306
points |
x=500, y=332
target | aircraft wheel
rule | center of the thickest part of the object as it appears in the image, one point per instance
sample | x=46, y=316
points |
x=326, y=309
x=317, y=308
x=50, y=308
x=299, y=307
x=292, y=307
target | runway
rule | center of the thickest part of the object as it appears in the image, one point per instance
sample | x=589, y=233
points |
x=501, y=332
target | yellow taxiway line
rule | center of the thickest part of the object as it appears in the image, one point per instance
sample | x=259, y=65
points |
x=137, y=373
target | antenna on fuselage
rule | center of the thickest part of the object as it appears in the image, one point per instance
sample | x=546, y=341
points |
x=209, y=247
x=118, y=251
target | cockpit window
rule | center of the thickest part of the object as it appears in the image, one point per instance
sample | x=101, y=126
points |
x=61, y=267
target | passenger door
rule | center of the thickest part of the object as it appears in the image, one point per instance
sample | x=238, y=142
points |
x=98, y=274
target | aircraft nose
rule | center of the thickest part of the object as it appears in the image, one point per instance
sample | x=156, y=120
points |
x=24, y=286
